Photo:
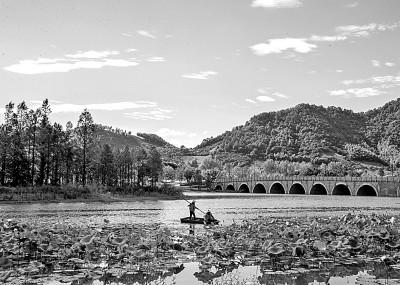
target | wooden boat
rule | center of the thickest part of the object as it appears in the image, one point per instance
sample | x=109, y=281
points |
x=188, y=220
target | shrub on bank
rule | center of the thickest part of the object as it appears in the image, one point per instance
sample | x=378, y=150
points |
x=89, y=192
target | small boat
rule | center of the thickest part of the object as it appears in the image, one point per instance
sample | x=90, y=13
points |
x=188, y=220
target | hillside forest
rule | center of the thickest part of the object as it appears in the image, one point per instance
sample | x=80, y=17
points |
x=313, y=140
x=304, y=140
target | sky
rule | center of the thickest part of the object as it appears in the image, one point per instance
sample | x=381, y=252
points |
x=188, y=70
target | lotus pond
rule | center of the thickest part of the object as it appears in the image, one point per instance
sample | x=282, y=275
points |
x=262, y=239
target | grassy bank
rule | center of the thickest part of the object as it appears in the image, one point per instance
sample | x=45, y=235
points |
x=69, y=193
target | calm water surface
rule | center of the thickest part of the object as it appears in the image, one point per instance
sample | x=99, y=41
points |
x=227, y=208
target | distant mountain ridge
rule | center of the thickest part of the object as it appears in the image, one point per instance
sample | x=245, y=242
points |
x=306, y=133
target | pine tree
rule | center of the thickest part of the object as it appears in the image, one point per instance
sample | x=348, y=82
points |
x=85, y=131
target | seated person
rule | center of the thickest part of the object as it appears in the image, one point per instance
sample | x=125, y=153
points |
x=208, y=217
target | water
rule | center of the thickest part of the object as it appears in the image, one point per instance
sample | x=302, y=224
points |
x=228, y=208
x=225, y=207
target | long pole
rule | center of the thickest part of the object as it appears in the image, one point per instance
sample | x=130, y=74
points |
x=190, y=202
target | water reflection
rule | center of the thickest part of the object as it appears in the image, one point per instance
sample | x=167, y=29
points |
x=191, y=229
x=190, y=273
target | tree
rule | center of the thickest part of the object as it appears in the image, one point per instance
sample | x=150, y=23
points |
x=69, y=152
x=228, y=168
x=44, y=142
x=209, y=163
x=194, y=163
x=141, y=161
x=107, y=168
x=169, y=172
x=6, y=130
x=19, y=162
x=85, y=131
x=155, y=165
x=57, y=149
x=210, y=176
x=389, y=153
x=32, y=135
x=198, y=177
x=188, y=173
x=180, y=170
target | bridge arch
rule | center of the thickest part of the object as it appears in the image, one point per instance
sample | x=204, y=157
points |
x=318, y=189
x=244, y=188
x=230, y=187
x=218, y=187
x=367, y=190
x=259, y=188
x=341, y=189
x=297, y=188
x=277, y=188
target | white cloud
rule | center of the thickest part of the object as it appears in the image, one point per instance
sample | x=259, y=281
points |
x=93, y=54
x=352, y=5
x=303, y=45
x=364, y=31
x=263, y=90
x=81, y=60
x=280, y=95
x=339, y=70
x=357, y=92
x=280, y=45
x=146, y=34
x=384, y=79
x=268, y=98
x=156, y=59
x=374, y=80
x=177, y=138
x=166, y=132
x=45, y=65
x=251, y=101
x=156, y=114
x=59, y=107
x=277, y=3
x=375, y=63
x=131, y=50
x=316, y=38
x=378, y=83
x=201, y=75
x=390, y=64
x=265, y=99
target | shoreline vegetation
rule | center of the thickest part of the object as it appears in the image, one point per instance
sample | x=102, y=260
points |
x=76, y=194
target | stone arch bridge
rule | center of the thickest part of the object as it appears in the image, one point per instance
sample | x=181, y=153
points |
x=312, y=185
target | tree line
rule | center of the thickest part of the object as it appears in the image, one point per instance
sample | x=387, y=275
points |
x=36, y=152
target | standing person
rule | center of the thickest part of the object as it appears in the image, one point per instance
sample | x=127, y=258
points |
x=192, y=208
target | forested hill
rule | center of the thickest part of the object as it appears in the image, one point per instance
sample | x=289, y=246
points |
x=119, y=139
x=309, y=133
